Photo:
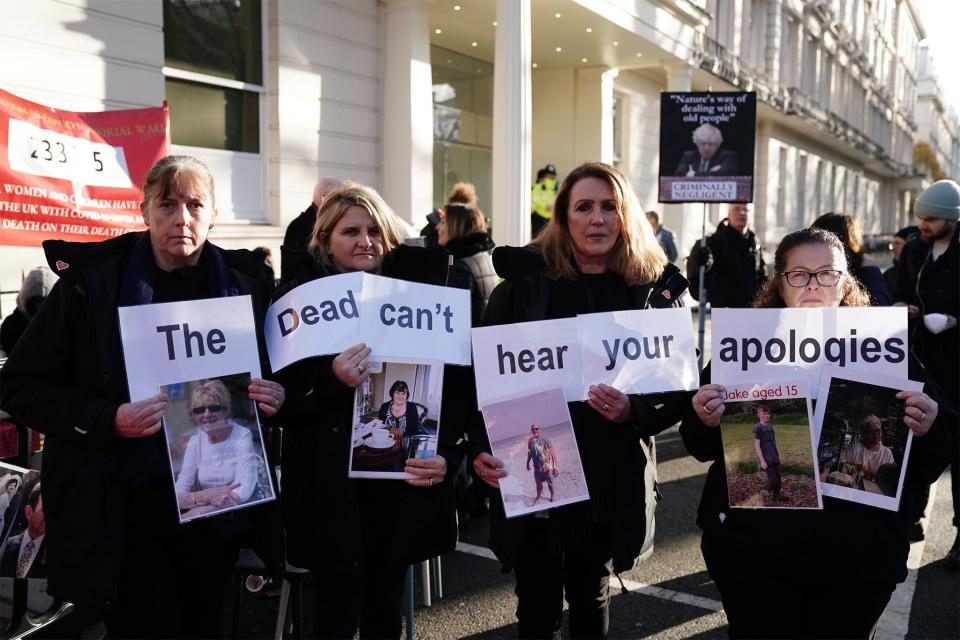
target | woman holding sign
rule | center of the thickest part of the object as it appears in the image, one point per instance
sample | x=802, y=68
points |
x=358, y=536
x=113, y=538
x=597, y=254
x=809, y=573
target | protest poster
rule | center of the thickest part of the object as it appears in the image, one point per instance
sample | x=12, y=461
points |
x=777, y=345
x=396, y=415
x=317, y=318
x=863, y=443
x=395, y=318
x=768, y=446
x=175, y=342
x=644, y=351
x=527, y=356
x=532, y=434
x=215, y=446
x=16, y=484
x=74, y=176
x=707, y=146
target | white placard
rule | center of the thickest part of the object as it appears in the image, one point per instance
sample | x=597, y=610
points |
x=515, y=358
x=42, y=152
x=851, y=470
x=400, y=319
x=317, y=318
x=642, y=351
x=785, y=344
x=175, y=341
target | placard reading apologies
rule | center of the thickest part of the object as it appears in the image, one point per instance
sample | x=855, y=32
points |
x=176, y=341
x=509, y=360
x=395, y=318
x=643, y=351
x=785, y=344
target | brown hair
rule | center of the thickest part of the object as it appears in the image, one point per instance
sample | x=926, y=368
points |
x=350, y=194
x=636, y=255
x=846, y=227
x=463, y=193
x=462, y=220
x=169, y=172
x=769, y=296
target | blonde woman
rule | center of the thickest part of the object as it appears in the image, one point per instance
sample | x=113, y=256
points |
x=598, y=253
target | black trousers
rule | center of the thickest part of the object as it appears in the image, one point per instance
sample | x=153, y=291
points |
x=583, y=576
x=773, y=478
x=173, y=585
x=537, y=223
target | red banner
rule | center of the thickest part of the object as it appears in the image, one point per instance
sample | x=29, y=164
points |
x=74, y=176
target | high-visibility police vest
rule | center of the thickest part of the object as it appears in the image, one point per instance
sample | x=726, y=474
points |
x=542, y=196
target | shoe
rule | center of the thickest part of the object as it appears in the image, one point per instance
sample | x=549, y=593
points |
x=915, y=533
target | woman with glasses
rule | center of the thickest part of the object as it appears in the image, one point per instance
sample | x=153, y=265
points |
x=220, y=464
x=803, y=573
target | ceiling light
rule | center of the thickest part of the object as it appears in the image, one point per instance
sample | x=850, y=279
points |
x=616, y=44
x=438, y=31
x=535, y=65
x=494, y=23
x=558, y=49
x=473, y=44
x=558, y=15
x=479, y=70
x=589, y=30
x=583, y=59
x=639, y=55
x=456, y=7
x=449, y=61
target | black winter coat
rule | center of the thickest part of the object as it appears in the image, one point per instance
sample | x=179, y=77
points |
x=326, y=513
x=738, y=270
x=473, y=252
x=847, y=540
x=66, y=379
x=619, y=460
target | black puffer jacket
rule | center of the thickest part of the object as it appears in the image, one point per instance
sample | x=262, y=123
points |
x=66, y=379
x=619, y=461
x=325, y=512
x=473, y=252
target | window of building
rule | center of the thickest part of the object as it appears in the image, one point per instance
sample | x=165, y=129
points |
x=214, y=76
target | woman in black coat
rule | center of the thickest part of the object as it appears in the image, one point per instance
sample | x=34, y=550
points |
x=598, y=253
x=356, y=535
x=463, y=232
x=113, y=541
x=797, y=573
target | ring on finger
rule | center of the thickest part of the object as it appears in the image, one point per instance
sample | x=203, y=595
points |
x=430, y=482
x=606, y=407
x=707, y=409
x=923, y=415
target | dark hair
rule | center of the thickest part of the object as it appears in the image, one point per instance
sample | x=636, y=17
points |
x=34, y=496
x=763, y=407
x=540, y=174
x=907, y=233
x=769, y=296
x=399, y=385
x=847, y=228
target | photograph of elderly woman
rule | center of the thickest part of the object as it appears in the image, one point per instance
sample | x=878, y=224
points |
x=533, y=436
x=215, y=446
x=864, y=443
x=396, y=416
x=768, y=454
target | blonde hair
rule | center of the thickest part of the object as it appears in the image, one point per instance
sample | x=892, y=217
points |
x=335, y=205
x=170, y=171
x=463, y=193
x=462, y=220
x=213, y=390
x=636, y=256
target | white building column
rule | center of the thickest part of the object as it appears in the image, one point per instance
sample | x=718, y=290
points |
x=763, y=217
x=686, y=220
x=593, y=138
x=512, y=124
x=407, y=114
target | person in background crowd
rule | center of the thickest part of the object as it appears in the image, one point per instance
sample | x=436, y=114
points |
x=664, y=236
x=300, y=228
x=797, y=556
x=463, y=193
x=735, y=268
x=900, y=239
x=34, y=290
x=847, y=227
x=113, y=538
x=928, y=283
x=708, y=159
x=358, y=536
x=543, y=195
x=463, y=232
x=597, y=254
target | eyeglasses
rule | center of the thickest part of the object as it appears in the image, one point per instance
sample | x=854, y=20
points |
x=826, y=278
x=212, y=408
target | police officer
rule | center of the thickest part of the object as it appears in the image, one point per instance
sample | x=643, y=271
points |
x=543, y=194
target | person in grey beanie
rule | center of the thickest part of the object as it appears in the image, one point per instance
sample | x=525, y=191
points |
x=928, y=283
x=34, y=290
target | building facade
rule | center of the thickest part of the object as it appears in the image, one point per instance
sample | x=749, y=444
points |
x=411, y=96
x=938, y=130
